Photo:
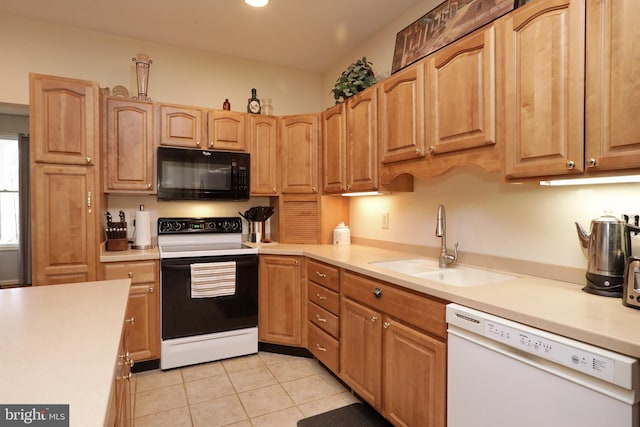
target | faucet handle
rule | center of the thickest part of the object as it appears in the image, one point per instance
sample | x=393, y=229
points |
x=455, y=253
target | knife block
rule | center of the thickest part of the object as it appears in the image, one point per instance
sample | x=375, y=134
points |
x=117, y=236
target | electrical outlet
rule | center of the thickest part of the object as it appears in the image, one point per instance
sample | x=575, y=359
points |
x=384, y=220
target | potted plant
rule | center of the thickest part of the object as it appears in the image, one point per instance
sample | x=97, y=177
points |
x=357, y=77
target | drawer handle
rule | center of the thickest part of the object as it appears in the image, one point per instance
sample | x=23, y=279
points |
x=321, y=275
x=320, y=297
x=377, y=292
x=321, y=348
x=125, y=377
x=321, y=319
x=374, y=318
x=386, y=325
x=124, y=356
x=131, y=321
x=130, y=274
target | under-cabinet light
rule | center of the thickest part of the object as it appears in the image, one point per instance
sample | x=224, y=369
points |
x=591, y=181
x=257, y=3
x=365, y=193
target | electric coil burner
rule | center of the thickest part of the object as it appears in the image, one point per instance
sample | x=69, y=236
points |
x=209, y=291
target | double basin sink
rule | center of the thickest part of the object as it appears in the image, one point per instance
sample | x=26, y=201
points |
x=456, y=275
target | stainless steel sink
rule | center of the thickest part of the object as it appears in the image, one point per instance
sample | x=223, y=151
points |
x=458, y=275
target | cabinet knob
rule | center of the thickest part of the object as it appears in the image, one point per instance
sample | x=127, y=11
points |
x=571, y=164
x=377, y=292
x=274, y=190
x=88, y=159
x=432, y=149
x=130, y=274
x=131, y=321
x=386, y=325
x=321, y=348
x=149, y=186
x=198, y=143
x=592, y=163
x=320, y=319
x=314, y=189
x=321, y=297
x=321, y=275
x=151, y=290
x=296, y=262
x=374, y=318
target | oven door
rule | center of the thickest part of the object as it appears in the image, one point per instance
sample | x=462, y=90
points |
x=183, y=316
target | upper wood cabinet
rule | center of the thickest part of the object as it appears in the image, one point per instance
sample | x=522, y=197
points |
x=401, y=115
x=362, y=141
x=334, y=151
x=299, y=145
x=226, y=130
x=64, y=117
x=544, y=48
x=461, y=94
x=129, y=148
x=182, y=126
x=262, y=132
x=613, y=85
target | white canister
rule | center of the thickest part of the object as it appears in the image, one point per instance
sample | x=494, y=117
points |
x=341, y=235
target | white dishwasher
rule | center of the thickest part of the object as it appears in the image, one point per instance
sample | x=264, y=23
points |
x=505, y=374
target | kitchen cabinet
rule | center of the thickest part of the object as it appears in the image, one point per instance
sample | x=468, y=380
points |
x=182, y=126
x=64, y=224
x=263, y=141
x=309, y=218
x=334, y=150
x=226, y=130
x=323, y=313
x=401, y=115
x=282, y=296
x=122, y=383
x=298, y=149
x=612, y=85
x=398, y=366
x=130, y=148
x=143, y=308
x=64, y=120
x=544, y=50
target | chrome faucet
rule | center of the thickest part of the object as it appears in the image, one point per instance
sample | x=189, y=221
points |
x=441, y=231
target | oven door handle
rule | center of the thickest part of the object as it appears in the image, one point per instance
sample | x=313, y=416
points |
x=176, y=265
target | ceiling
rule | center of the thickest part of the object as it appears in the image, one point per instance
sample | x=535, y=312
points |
x=300, y=34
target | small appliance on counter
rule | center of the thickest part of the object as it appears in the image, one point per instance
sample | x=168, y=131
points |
x=116, y=233
x=631, y=290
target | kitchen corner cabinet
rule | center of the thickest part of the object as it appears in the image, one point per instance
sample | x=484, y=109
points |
x=262, y=132
x=399, y=367
x=143, y=308
x=226, y=130
x=613, y=85
x=298, y=150
x=181, y=126
x=130, y=147
x=544, y=50
x=64, y=120
x=282, y=296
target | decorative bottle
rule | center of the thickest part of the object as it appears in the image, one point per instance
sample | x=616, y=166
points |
x=253, y=104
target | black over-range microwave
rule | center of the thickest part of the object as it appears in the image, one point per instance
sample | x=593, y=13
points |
x=190, y=174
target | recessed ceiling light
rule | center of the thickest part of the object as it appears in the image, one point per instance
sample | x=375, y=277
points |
x=257, y=3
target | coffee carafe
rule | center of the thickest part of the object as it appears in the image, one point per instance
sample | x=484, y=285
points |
x=608, y=246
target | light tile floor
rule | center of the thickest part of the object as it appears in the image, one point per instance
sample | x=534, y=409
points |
x=260, y=390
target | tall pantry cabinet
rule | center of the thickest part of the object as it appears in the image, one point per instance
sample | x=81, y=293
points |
x=66, y=197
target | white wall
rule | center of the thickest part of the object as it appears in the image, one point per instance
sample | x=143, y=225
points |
x=176, y=75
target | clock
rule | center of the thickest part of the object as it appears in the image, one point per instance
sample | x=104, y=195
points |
x=253, y=104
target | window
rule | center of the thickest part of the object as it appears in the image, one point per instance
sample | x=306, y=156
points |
x=9, y=192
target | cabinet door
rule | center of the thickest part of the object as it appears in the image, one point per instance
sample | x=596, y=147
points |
x=401, y=115
x=143, y=308
x=130, y=147
x=544, y=87
x=63, y=224
x=281, y=300
x=361, y=350
x=334, y=150
x=64, y=120
x=181, y=126
x=613, y=85
x=226, y=130
x=264, y=155
x=414, y=375
x=299, y=153
x=362, y=141
x=461, y=89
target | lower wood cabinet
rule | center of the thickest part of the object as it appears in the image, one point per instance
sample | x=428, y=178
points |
x=399, y=367
x=281, y=294
x=120, y=409
x=143, y=308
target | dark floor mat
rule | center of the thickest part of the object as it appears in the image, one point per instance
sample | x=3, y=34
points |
x=355, y=415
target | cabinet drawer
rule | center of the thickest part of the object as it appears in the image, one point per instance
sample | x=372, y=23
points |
x=324, y=297
x=137, y=271
x=324, y=347
x=424, y=312
x=323, y=319
x=324, y=275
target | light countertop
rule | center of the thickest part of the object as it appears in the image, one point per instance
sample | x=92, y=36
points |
x=60, y=346
x=555, y=306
